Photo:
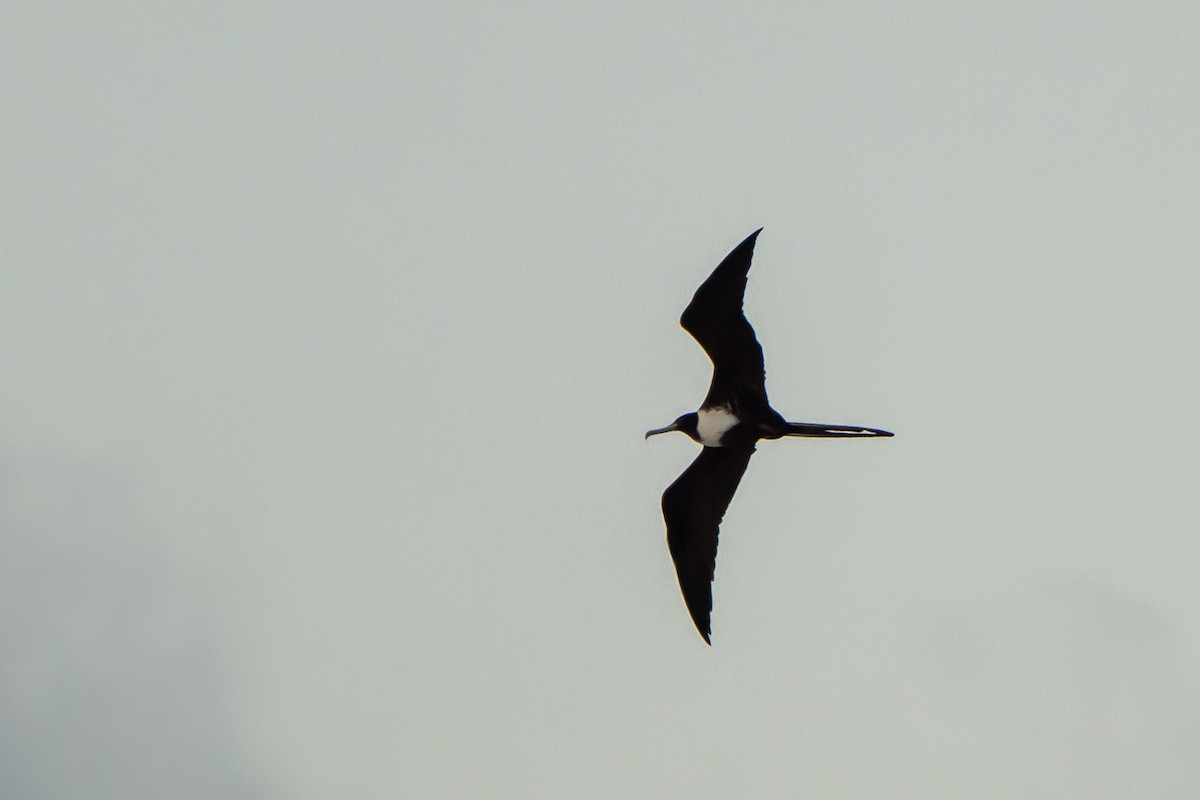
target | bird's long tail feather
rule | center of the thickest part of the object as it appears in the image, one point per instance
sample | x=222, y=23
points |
x=816, y=429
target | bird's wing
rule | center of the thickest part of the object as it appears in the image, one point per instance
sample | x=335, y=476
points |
x=693, y=507
x=715, y=319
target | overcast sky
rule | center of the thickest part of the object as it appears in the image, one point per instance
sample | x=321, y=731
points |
x=329, y=334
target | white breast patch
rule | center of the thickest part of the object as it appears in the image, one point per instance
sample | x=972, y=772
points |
x=712, y=424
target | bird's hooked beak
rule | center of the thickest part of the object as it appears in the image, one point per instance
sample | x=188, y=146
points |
x=674, y=426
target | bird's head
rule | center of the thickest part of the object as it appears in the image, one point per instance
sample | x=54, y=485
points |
x=684, y=424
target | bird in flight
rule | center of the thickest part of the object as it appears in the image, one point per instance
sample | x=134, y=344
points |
x=733, y=417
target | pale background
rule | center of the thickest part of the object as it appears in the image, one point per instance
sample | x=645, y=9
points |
x=329, y=333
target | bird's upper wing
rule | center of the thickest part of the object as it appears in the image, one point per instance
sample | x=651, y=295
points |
x=693, y=507
x=715, y=319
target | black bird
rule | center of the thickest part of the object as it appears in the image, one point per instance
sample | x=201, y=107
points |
x=732, y=418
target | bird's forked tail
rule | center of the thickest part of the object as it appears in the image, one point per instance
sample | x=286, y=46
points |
x=816, y=429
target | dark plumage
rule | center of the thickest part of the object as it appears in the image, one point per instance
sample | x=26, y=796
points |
x=733, y=417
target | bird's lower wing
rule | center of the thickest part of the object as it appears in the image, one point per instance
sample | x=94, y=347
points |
x=693, y=507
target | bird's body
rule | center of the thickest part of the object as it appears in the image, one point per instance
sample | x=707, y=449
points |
x=713, y=423
x=734, y=416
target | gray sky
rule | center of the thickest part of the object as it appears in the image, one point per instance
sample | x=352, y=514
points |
x=330, y=333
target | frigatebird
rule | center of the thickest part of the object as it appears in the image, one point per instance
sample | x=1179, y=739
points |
x=733, y=417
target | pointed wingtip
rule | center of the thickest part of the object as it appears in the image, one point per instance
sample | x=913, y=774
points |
x=747, y=243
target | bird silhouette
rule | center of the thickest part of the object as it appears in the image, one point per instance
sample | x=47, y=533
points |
x=734, y=416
